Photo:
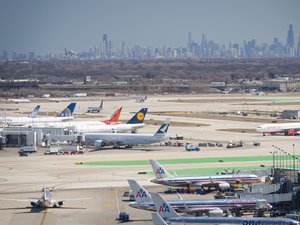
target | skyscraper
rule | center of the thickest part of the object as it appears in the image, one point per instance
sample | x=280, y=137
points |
x=189, y=41
x=290, y=36
x=105, y=45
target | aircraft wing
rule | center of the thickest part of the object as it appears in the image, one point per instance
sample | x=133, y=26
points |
x=70, y=199
x=18, y=200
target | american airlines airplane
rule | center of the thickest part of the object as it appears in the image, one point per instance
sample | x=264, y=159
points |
x=165, y=215
x=45, y=201
x=126, y=139
x=273, y=128
x=64, y=115
x=215, y=207
x=220, y=181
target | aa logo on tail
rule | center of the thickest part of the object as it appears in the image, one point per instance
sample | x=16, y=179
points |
x=160, y=171
x=164, y=208
x=141, y=193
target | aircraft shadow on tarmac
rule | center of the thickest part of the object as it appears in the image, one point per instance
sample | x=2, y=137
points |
x=126, y=149
x=37, y=210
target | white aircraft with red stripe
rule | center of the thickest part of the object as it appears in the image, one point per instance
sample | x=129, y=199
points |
x=220, y=181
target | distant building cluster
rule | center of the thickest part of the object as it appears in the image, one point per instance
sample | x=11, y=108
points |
x=204, y=49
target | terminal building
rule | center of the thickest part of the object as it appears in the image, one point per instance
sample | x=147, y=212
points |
x=284, y=85
x=28, y=136
x=290, y=114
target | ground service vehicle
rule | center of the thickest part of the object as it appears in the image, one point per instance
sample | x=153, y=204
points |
x=28, y=149
x=72, y=149
x=191, y=147
x=53, y=150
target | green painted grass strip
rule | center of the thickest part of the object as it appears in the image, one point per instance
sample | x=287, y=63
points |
x=181, y=161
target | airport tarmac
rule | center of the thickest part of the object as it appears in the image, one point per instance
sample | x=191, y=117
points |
x=24, y=177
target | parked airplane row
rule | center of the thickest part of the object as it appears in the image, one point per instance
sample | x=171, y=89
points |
x=143, y=200
x=208, y=211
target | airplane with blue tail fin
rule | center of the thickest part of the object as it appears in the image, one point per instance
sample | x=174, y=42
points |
x=126, y=139
x=32, y=119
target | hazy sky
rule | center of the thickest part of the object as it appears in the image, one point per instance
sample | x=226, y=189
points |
x=47, y=26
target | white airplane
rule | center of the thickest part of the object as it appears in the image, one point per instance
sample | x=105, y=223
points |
x=220, y=181
x=70, y=52
x=106, y=126
x=165, y=215
x=59, y=100
x=19, y=100
x=64, y=115
x=126, y=139
x=46, y=200
x=5, y=120
x=141, y=100
x=273, y=128
x=144, y=201
x=95, y=109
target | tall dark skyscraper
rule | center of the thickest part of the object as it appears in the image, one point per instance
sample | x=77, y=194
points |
x=190, y=40
x=105, y=45
x=290, y=36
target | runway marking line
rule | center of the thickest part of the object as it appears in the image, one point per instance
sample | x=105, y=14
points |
x=44, y=217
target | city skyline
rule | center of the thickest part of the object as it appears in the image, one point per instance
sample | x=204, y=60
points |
x=50, y=26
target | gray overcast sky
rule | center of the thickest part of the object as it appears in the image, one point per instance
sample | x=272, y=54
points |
x=47, y=26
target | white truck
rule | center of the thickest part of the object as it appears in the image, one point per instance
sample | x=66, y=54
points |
x=54, y=150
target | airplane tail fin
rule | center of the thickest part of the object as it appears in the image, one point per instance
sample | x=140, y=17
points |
x=68, y=111
x=164, y=127
x=162, y=207
x=101, y=104
x=34, y=112
x=115, y=117
x=141, y=194
x=157, y=220
x=158, y=170
x=138, y=117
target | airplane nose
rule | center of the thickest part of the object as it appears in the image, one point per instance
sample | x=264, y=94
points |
x=154, y=181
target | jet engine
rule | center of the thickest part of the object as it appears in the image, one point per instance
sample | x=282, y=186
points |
x=99, y=143
x=34, y=204
x=224, y=186
x=60, y=203
x=215, y=212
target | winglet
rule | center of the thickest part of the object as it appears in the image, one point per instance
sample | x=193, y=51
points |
x=158, y=170
x=138, y=117
x=164, y=127
x=115, y=117
x=34, y=112
x=101, y=104
x=157, y=220
x=162, y=207
x=68, y=111
x=141, y=194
